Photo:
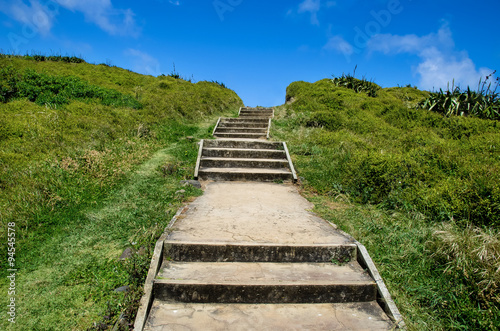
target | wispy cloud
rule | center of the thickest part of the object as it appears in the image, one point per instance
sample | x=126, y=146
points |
x=42, y=14
x=105, y=15
x=339, y=44
x=440, y=62
x=35, y=15
x=312, y=7
x=143, y=63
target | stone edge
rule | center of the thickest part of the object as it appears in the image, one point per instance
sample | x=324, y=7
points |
x=216, y=126
x=290, y=164
x=156, y=261
x=384, y=298
x=198, y=160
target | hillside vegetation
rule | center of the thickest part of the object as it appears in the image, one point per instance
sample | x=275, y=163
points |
x=419, y=189
x=90, y=162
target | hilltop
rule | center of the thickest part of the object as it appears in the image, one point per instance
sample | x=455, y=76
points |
x=90, y=162
x=420, y=189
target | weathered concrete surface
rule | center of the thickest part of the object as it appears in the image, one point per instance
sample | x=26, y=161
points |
x=246, y=252
x=253, y=213
x=271, y=317
x=244, y=174
x=264, y=273
x=264, y=283
x=220, y=270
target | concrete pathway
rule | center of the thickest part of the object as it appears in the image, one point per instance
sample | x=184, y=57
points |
x=252, y=256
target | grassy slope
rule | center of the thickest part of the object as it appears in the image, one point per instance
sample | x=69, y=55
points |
x=421, y=191
x=83, y=181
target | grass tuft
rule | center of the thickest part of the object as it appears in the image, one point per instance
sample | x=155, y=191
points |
x=482, y=103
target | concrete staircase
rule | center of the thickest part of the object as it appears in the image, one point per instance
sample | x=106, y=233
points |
x=260, y=266
x=250, y=256
x=252, y=123
x=240, y=151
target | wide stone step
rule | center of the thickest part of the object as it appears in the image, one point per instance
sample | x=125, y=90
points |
x=245, y=120
x=267, y=317
x=244, y=153
x=242, y=144
x=224, y=162
x=190, y=251
x=258, y=111
x=235, y=129
x=241, y=135
x=263, y=283
x=242, y=124
x=255, y=114
x=244, y=174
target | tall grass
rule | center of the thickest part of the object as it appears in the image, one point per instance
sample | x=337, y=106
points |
x=357, y=85
x=482, y=103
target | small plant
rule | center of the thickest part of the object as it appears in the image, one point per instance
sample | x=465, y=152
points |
x=340, y=261
x=357, y=85
x=174, y=74
x=219, y=83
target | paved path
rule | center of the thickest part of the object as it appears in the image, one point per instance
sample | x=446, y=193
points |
x=252, y=256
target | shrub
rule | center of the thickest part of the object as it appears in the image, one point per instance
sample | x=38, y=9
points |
x=483, y=103
x=357, y=85
x=44, y=89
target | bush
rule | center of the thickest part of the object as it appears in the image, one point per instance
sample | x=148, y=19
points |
x=357, y=85
x=44, y=89
x=483, y=103
x=400, y=157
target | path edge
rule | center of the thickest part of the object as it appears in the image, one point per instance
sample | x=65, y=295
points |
x=384, y=297
x=156, y=261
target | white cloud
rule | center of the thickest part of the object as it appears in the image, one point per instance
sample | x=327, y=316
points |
x=143, y=62
x=440, y=63
x=311, y=6
x=339, y=44
x=103, y=14
x=36, y=16
x=100, y=12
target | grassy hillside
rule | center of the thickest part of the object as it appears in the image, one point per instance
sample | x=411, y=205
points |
x=420, y=190
x=90, y=162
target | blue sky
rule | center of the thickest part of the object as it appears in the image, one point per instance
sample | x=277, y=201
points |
x=257, y=48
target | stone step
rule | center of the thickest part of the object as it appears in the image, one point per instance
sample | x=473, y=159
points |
x=244, y=153
x=263, y=125
x=242, y=143
x=244, y=120
x=195, y=251
x=259, y=110
x=244, y=114
x=235, y=129
x=267, y=317
x=223, y=282
x=224, y=162
x=241, y=135
x=244, y=174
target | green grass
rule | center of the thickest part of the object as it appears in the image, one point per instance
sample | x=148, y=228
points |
x=420, y=190
x=85, y=178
